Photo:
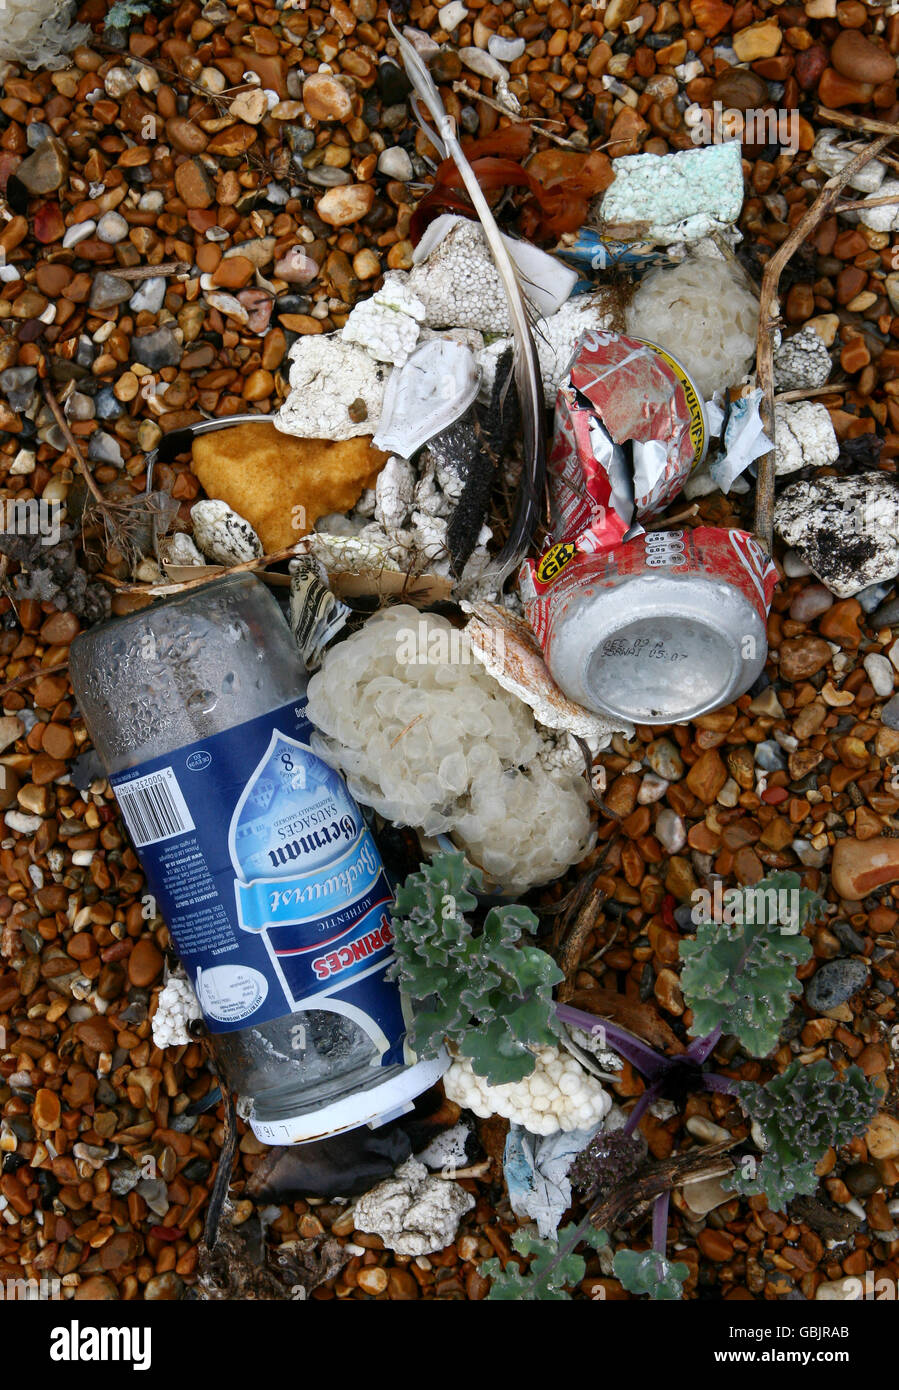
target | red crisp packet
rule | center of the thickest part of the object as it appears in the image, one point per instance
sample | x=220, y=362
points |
x=629, y=428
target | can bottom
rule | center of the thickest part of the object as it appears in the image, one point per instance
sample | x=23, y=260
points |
x=657, y=650
x=373, y=1107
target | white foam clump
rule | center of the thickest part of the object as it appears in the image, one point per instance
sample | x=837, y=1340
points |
x=38, y=33
x=424, y=735
x=703, y=313
x=558, y=1095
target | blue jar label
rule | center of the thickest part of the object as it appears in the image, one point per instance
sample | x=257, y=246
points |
x=268, y=877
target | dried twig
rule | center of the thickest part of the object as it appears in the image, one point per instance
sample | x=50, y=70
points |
x=833, y=388
x=164, y=590
x=661, y=523
x=119, y=519
x=464, y=90
x=80, y=462
x=820, y=208
x=634, y=1197
x=34, y=676
x=136, y=273
x=865, y=123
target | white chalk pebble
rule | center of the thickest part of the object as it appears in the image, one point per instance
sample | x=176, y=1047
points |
x=880, y=673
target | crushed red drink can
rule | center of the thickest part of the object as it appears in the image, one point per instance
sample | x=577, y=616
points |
x=657, y=630
x=629, y=429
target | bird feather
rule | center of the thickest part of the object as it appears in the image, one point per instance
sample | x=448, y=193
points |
x=528, y=381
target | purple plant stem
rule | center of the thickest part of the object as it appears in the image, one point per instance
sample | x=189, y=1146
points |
x=702, y=1048
x=723, y=1084
x=650, y=1063
x=660, y=1222
x=640, y=1109
x=633, y=1120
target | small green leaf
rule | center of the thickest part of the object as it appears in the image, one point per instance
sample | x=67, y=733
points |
x=740, y=973
x=548, y=1275
x=646, y=1271
x=489, y=994
x=802, y=1113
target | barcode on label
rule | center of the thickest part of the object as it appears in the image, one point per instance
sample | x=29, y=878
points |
x=153, y=808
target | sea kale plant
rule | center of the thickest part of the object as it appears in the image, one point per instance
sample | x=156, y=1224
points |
x=738, y=979
x=486, y=992
x=802, y=1113
x=548, y=1275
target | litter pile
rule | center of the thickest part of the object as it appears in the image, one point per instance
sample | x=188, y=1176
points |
x=564, y=435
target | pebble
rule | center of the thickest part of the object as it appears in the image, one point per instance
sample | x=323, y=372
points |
x=11, y=728
x=327, y=176
x=222, y=535
x=872, y=596
x=794, y=565
x=112, y=228
x=801, y=657
x=838, y=1291
x=102, y=448
x=880, y=673
x=109, y=290
x=79, y=231
x=26, y=825
x=482, y=63
x=296, y=267
x=887, y=615
x=860, y=867
x=856, y=57
x=665, y=760
x=341, y=206
x=145, y=963
x=46, y=169
x=835, y=982
x=157, y=349
x=228, y=305
x=505, y=50
x=326, y=99
x=450, y=16
x=670, y=831
x=889, y=715
x=810, y=603
x=882, y=1136
x=652, y=789
x=769, y=756
x=395, y=163
x=149, y=297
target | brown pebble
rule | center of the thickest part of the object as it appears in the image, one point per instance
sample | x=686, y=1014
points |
x=96, y=1033
x=326, y=99
x=144, y=963
x=856, y=57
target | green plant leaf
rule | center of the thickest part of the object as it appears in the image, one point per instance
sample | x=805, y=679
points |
x=739, y=974
x=546, y=1278
x=488, y=994
x=801, y=1113
x=648, y=1272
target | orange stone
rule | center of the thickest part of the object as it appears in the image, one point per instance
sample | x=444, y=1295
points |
x=835, y=91
x=840, y=623
x=233, y=272
x=707, y=776
x=860, y=867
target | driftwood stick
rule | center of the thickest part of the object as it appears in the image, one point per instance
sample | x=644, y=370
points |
x=865, y=123
x=635, y=1196
x=135, y=273
x=219, y=572
x=71, y=441
x=814, y=215
x=34, y=676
